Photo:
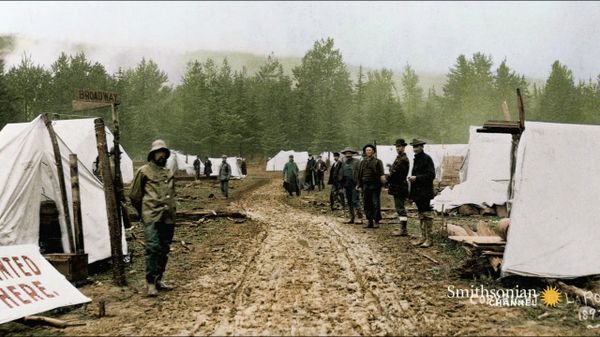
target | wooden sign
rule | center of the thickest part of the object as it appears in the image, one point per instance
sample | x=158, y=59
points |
x=97, y=96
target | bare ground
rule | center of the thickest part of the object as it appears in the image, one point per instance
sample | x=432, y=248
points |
x=295, y=268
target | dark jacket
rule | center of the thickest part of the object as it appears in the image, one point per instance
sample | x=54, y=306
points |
x=370, y=170
x=424, y=170
x=335, y=174
x=398, y=186
x=349, y=172
x=208, y=168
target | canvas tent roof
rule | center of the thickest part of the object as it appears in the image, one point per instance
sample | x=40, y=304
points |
x=80, y=136
x=29, y=176
x=484, y=181
x=236, y=171
x=278, y=161
x=554, y=229
x=179, y=161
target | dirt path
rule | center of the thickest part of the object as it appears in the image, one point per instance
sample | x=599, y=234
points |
x=312, y=275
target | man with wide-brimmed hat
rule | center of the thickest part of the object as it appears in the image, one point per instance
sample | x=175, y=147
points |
x=290, y=177
x=421, y=190
x=335, y=180
x=349, y=182
x=224, y=176
x=398, y=186
x=153, y=196
x=371, y=179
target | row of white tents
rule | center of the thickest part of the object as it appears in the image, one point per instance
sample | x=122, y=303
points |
x=182, y=163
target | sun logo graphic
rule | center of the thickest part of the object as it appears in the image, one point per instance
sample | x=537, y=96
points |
x=550, y=296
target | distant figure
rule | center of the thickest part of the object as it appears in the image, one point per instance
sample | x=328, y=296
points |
x=421, y=190
x=197, y=167
x=349, y=183
x=370, y=180
x=224, y=176
x=321, y=168
x=290, y=177
x=153, y=196
x=310, y=175
x=207, y=167
x=244, y=167
x=335, y=180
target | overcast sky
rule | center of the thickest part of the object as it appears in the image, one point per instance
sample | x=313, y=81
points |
x=427, y=35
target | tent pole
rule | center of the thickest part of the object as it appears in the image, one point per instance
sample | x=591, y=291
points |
x=122, y=213
x=77, y=219
x=114, y=225
x=61, y=180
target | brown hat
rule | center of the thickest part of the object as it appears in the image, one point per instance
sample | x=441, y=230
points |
x=348, y=149
x=371, y=146
x=416, y=142
x=400, y=142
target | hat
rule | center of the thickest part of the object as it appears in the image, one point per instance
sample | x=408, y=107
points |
x=291, y=156
x=400, y=142
x=416, y=142
x=224, y=156
x=371, y=146
x=348, y=149
x=158, y=144
x=336, y=154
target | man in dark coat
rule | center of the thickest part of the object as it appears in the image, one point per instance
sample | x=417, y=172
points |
x=335, y=180
x=224, y=176
x=207, y=167
x=421, y=190
x=310, y=174
x=398, y=186
x=349, y=175
x=371, y=178
x=244, y=167
x=197, y=167
x=290, y=177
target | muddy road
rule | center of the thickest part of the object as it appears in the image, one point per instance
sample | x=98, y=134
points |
x=292, y=269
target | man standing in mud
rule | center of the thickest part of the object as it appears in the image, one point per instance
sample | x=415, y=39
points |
x=370, y=180
x=224, y=176
x=335, y=180
x=310, y=174
x=197, y=167
x=349, y=174
x=421, y=190
x=153, y=196
x=398, y=186
x=321, y=168
x=290, y=177
x=207, y=167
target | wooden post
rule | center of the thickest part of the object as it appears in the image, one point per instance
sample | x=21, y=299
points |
x=114, y=224
x=122, y=213
x=61, y=180
x=77, y=220
x=516, y=138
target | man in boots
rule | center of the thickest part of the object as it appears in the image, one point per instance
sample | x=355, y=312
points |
x=321, y=167
x=335, y=180
x=349, y=183
x=398, y=186
x=371, y=178
x=421, y=190
x=224, y=176
x=153, y=196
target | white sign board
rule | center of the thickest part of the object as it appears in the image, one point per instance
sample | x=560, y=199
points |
x=29, y=284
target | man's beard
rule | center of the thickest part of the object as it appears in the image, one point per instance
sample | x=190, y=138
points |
x=162, y=162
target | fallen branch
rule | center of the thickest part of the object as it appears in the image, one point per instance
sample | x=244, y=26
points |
x=57, y=323
x=586, y=296
x=429, y=258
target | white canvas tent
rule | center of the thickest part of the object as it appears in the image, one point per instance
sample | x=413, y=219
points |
x=179, y=161
x=29, y=176
x=80, y=136
x=236, y=171
x=278, y=161
x=485, y=176
x=554, y=228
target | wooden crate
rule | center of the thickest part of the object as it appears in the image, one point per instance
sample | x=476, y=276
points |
x=73, y=266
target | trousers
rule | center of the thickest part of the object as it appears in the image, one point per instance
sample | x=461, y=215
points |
x=158, y=237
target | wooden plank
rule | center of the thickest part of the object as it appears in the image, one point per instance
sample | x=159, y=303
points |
x=496, y=262
x=492, y=253
x=488, y=240
x=484, y=230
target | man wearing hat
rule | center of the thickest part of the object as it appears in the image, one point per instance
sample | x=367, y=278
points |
x=335, y=180
x=349, y=182
x=197, y=167
x=371, y=178
x=153, y=196
x=310, y=174
x=421, y=190
x=290, y=177
x=207, y=167
x=321, y=167
x=398, y=186
x=224, y=176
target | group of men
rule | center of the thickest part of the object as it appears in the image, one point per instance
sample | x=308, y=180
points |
x=207, y=167
x=353, y=179
x=315, y=173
